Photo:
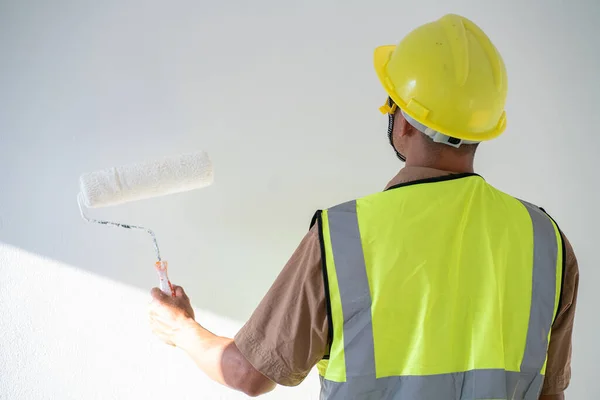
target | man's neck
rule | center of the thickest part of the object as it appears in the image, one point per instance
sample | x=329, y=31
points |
x=443, y=163
x=411, y=174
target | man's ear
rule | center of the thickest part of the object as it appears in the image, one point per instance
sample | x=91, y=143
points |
x=402, y=127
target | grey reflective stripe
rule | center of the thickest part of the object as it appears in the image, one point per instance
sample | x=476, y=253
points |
x=354, y=291
x=541, y=315
x=361, y=382
x=491, y=384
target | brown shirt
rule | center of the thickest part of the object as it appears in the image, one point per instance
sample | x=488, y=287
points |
x=288, y=332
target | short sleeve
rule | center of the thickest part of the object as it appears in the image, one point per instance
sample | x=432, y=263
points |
x=288, y=333
x=558, y=368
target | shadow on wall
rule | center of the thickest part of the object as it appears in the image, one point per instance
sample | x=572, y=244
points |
x=225, y=244
x=221, y=247
x=65, y=333
x=87, y=86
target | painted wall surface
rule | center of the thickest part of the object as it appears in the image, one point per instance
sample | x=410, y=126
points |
x=284, y=98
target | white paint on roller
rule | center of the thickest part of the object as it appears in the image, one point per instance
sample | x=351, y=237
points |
x=138, y=181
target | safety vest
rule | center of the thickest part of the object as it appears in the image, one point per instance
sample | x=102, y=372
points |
x=439, y=289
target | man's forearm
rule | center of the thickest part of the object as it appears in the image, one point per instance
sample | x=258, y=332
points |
x=560, y=396
x=221, y=360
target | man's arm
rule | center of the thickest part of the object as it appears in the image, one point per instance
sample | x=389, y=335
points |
x=558, y=367
x=222, y=361
x=281, y=342
x=172, y=320
x=560, y=396
x=288, y=333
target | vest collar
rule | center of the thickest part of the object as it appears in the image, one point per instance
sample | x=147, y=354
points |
x=409, y=174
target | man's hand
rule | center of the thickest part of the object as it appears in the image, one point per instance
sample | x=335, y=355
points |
x=171, y=318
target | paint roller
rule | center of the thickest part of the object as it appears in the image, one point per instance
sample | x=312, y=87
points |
x=138, y=181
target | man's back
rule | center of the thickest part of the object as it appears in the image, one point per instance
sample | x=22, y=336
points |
x=295, y=308
x=437, y=283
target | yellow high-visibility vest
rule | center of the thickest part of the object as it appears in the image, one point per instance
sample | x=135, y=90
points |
x=439, y=289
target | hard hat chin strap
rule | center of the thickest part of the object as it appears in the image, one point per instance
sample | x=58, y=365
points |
x=391, y=111
x=391, y=137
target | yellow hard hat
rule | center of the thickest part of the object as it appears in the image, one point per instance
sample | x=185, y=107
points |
x=448, y=76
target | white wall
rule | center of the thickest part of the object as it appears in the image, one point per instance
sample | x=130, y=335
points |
x=70, y=334
x=283, y=96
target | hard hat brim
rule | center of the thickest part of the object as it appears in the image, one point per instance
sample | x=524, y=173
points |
x=382, y=56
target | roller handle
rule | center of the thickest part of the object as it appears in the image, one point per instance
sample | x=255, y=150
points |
x=165, y=283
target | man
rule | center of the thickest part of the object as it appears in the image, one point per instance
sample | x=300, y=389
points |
x=440, y=287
